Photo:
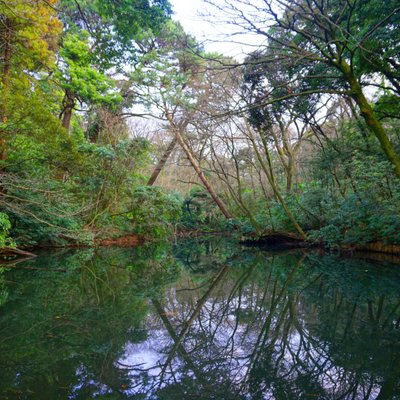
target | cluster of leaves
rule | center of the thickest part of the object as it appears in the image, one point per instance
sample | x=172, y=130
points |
x=5, y=226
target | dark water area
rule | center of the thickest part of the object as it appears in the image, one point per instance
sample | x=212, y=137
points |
x=199, y=319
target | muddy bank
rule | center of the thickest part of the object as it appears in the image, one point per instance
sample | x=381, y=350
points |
x=123, y=241
x=288, y=240
x=12, y=254
x=278, y=241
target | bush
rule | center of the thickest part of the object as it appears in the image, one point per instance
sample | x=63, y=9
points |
x=152, y=212
x=5, y=226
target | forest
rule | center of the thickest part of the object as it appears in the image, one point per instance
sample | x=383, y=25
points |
x=115, y=122
x=179, y=222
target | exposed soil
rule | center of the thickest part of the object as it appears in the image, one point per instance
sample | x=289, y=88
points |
x=123, y=241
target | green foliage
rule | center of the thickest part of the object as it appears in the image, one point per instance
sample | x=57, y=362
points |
x=116, y=27
x=152, y=212
x=5, y=226
x=78, y=76
x=92, y=61
x=360, y=222
x=199, y=210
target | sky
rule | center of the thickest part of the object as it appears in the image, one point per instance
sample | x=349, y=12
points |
x=215, y=37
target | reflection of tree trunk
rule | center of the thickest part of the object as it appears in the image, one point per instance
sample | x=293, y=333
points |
x=390, y=382
x=162, y=161
x=110, y=374
x=276, y=298
x=350, y=321
x=179, y=339
x=390, y=316
x=182, y=351
x=201, y=175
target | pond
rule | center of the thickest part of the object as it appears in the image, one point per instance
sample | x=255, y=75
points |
x=199, y=319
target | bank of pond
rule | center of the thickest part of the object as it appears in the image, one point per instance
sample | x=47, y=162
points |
x=199, y=318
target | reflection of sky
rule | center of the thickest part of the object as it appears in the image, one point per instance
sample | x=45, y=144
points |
x=84, y=381
x=145, y=355
x=254, y=336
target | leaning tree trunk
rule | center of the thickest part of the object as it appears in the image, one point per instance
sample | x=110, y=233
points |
x=370, y=118
x=162, y=161
x=218, y=201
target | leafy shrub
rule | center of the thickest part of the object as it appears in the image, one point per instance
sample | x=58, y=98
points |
x=152, y=212
x=5, y=226
x=200, y=211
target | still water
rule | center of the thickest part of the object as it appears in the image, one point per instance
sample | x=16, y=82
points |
x=199, y=319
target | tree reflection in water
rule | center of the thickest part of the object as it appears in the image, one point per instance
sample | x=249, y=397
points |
x=211, y=320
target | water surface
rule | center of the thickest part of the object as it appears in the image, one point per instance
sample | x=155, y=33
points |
x=200, y=319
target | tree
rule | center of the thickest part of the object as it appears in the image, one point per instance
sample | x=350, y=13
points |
x=80, y=80
x=116, y=27
x=28, y=38
x=174, y=85
x=285, y=123
x=325, y=47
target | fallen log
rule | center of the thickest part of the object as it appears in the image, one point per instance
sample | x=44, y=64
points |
x=378, y=247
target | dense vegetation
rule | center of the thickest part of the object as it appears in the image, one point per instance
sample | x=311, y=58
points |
x=115, y=121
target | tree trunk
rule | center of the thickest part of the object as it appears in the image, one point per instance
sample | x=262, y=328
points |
x=290, y=172
x=282, y=201
x=69, y=103
x=7, y=39
x=162, y=161
x=200, y=174
x=270, y=176
x=370, y=118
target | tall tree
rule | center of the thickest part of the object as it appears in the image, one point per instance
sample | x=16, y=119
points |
x=174, y=85
x=100, y=38
x=80, y=80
